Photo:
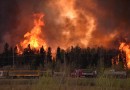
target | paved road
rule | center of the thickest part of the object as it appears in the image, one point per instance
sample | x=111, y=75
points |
x=18, y=81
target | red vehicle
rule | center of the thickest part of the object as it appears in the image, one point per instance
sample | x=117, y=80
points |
x=77, y=73
x=83, y=73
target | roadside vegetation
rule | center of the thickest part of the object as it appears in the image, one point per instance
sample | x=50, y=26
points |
x=67, y=83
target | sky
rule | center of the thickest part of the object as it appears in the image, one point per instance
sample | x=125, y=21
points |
x=67, y=22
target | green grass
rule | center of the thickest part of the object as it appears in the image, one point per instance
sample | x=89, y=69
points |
x=66, y=83
x=59, y=83
x=17, y=84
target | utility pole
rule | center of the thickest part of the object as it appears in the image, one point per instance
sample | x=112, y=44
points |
x=13, y=58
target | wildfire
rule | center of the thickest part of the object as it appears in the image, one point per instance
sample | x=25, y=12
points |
x=34, y=37
x=126, y=48
x=77, y=25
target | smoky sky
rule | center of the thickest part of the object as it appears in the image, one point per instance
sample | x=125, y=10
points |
x=112, y=17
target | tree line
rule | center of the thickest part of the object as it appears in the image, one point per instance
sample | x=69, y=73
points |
x=75, y=57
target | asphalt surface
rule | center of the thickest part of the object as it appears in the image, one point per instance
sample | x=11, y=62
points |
x=18, y=81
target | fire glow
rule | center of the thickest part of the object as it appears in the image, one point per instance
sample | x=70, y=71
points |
x=77, y=25
x=34, y=37
x=126, y=48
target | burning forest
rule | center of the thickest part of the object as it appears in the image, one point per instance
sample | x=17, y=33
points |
x=84, y=33
x=34, y=38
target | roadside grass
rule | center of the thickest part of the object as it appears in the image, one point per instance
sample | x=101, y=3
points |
x=67, y=83
x=17, y=84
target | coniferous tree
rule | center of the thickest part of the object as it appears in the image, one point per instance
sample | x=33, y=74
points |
x=42, y=56
x=5, y=55
x=28, y=54
x=122, y=60
x=10, y=56
x=58, y=55
x=49, y=55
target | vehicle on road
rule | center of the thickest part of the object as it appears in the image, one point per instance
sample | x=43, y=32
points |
x=116, y=74
x=83, y=73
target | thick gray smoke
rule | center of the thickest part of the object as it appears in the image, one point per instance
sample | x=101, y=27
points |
x=67, y=22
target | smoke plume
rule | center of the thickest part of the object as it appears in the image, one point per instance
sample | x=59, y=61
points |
x=67, y=22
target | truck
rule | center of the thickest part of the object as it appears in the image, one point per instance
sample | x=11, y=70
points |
x=20, y=74
x=83, y=73
x=116, y=74
x=24, y=74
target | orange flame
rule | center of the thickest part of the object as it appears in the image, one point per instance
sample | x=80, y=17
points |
x=34, y=38
x=126, y=48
